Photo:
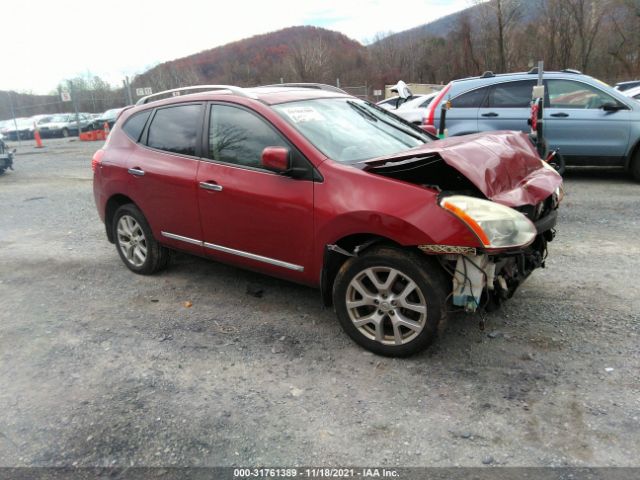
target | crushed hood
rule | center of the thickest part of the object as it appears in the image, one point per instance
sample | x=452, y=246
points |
x=503, y=165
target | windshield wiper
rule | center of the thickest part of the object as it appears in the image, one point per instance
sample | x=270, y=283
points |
x=362, y=110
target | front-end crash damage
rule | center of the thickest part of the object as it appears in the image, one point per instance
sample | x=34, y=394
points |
x=498, y=187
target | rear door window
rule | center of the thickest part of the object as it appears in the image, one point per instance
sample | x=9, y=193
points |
x=511, y=94
x=175, y=129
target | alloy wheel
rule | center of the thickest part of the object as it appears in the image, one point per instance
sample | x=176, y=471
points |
x=386, y=305
x=132, y=240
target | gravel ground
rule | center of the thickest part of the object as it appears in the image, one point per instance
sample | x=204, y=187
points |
x=101, y=367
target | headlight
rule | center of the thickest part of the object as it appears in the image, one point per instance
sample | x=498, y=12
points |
x=559, y=193
x=547, y=166
x=495, y=225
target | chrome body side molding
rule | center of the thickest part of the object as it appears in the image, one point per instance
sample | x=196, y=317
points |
x=253, y=256
x=232, y=251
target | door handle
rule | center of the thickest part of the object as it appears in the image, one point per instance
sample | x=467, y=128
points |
x=490, y=114
x=211, y=186
x=560, y=114
x=136, y=171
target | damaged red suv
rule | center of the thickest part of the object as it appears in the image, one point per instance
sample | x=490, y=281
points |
x=310, y=184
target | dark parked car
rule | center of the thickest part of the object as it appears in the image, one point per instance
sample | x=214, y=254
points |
x=6, y=157
x=319, y=187
x=108, y=117
x=622, y=86
x=21, y=129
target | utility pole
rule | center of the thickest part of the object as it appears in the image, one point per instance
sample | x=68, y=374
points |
x=540, y=71
x=60, y=103
x=127, y=91
x=75, y=105
x=13, y=114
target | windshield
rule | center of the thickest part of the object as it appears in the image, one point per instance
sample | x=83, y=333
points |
x=113, y=113
x=59, y=119
x=350, y=130
x=24, y=122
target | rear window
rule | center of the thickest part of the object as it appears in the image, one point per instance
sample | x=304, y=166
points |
x=426, y=103
x=175, y=129
x=134, y=126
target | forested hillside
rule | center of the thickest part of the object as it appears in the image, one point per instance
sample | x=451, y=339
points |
x=598, y=37
x=306, y=54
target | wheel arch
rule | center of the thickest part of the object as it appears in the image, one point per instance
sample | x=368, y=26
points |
x=632, y=153
x=335, y=254
x=114, y=202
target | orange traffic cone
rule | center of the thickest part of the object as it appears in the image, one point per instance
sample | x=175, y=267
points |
x=106, y=129
x=36, y=136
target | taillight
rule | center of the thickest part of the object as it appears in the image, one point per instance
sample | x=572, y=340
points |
x=430, y=115
x=97, y=158
x=430, y=129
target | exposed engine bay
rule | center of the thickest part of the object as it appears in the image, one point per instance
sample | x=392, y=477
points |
x=482, y=280
x=502, y=167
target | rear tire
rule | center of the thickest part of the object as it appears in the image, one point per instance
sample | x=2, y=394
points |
x=390, y=301
x=634, y=167
x=137, y=247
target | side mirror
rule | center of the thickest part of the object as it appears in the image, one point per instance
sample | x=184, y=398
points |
x=276, y=159
x=611, y=107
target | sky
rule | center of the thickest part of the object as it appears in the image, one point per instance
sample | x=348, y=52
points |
x=45, y=42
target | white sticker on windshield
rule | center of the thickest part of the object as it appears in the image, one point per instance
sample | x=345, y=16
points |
x=303, y=114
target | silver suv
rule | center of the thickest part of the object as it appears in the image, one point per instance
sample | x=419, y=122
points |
x=588, y=121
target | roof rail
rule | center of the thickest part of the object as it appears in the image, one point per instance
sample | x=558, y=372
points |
x=571, y=70
x=488, y=74
x=317, y=86
x=236, y=90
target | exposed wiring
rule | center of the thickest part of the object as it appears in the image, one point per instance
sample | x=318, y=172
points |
x=467, y=279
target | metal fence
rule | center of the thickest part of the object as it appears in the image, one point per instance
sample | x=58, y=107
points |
x=360, y=91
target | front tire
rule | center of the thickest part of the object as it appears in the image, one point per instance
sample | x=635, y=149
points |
x=137, y=247
x=390, y=301
x=558, y=164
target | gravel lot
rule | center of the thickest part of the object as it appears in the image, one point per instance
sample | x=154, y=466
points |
x=101, y=367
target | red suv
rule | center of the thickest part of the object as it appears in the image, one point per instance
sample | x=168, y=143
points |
x=310, y=184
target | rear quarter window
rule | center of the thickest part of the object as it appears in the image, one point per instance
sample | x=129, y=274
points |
x=135, y=124
x=472, y=99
